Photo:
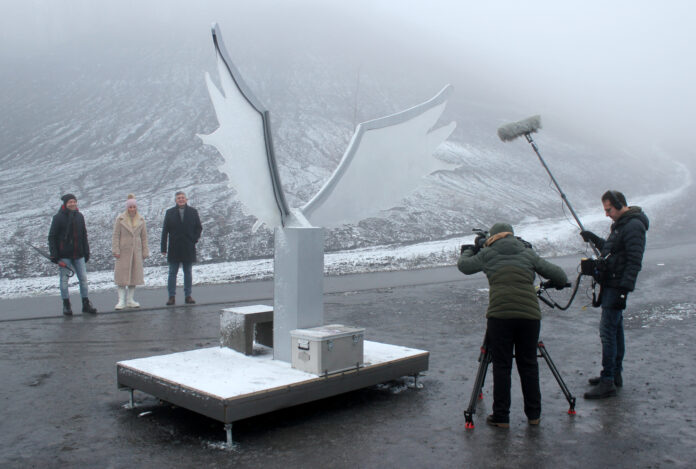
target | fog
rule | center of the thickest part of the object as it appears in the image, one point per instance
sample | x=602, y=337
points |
x=622, y=70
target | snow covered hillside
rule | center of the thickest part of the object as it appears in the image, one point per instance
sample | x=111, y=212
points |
x=122, y=117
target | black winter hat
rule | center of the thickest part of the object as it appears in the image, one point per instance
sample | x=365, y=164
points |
x=67, y=197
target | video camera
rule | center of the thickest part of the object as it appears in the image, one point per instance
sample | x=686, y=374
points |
x=479, y=241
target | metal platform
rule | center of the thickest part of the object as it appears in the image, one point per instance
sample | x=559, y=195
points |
x=227, y=386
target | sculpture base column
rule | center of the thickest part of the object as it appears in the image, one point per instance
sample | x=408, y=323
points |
x=298, y=285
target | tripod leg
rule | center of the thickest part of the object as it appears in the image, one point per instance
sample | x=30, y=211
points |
x=557, y=375
x=484, y=359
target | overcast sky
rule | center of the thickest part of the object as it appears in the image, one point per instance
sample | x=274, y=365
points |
x=622, y=68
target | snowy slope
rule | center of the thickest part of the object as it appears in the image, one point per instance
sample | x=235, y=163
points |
x=102, y=126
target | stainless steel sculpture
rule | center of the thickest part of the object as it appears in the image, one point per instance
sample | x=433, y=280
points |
x=385, y=161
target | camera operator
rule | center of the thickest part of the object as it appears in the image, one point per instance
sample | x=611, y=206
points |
x=620, y=261
x=514, y=317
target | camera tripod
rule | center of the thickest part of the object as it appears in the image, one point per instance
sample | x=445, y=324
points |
x=485, y=358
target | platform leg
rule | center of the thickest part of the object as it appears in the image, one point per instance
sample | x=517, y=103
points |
x=416, y=384
x=131, y=401
x=228, y=431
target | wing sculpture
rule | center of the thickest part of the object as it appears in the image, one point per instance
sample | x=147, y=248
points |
x=385, y=161
x=244, y=141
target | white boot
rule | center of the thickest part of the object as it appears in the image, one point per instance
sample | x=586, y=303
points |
x=121, y=298
x=131, y=303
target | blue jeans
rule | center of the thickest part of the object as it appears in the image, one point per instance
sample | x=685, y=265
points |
x=188, y=277
x=77, y=265
x=612, y=334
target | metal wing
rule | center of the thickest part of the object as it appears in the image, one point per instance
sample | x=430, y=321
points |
x=244, y=141
x=385, y=161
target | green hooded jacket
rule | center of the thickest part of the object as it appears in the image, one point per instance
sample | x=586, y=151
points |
x=510, y=267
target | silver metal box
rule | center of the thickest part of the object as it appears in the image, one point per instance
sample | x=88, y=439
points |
x=327, y=349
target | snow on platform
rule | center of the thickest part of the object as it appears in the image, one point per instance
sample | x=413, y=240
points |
x=227, y=385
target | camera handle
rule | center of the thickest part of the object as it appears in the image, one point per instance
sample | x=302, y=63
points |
x=543, y=286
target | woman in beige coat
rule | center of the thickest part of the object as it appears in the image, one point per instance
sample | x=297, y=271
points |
x=129, y=247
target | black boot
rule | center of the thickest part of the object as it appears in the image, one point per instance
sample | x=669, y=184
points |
x=618, y=380
x=87, y=306
x=604, y=389
x=67, y=310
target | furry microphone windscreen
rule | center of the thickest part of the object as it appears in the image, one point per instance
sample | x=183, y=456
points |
x=513, y=130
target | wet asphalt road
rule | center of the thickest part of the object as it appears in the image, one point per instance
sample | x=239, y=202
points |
x=61, y=408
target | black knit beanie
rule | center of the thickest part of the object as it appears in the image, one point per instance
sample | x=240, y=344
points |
x=67, y=197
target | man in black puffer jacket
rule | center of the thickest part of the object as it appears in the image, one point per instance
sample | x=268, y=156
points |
x=622, y=253
x=67, y=242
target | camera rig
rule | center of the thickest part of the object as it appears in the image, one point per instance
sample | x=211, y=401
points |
x=543, y=286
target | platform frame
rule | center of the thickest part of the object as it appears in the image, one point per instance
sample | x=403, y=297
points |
x=230, y=409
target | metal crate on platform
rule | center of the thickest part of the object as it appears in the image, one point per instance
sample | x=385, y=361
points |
x=327, y=349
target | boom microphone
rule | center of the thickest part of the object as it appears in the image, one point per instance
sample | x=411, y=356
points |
x=527, y=127
x=516, y=129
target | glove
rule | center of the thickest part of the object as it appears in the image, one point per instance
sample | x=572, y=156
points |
x=621, y=300
x=54, y=260
x=549, y=284
x=589, y=236
x=86, y=259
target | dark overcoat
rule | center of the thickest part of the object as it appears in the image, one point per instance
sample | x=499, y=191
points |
x=179, y=237
x=67, y=237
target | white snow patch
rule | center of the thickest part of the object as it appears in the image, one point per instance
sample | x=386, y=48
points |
x=224, y=373
x=664, y=313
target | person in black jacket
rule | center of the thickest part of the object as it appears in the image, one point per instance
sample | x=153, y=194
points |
x=67, y=242
x=622, y=256
x=181, y=231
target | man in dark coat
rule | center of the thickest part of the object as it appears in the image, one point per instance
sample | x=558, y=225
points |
x=181, y=231
x=67, y=242
x=514, y=317
x=622, y=256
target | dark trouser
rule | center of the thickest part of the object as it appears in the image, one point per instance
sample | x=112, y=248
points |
x=522, y=335
x=188, y=277
x=611, y=332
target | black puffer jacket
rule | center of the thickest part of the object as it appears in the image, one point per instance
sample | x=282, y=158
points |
x=67, y=238
x=623, y=249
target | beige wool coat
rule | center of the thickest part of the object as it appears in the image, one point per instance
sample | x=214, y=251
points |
x=129, y=242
